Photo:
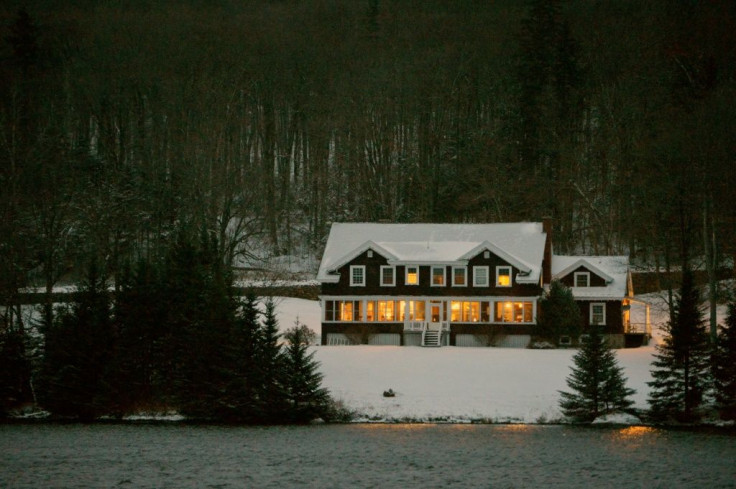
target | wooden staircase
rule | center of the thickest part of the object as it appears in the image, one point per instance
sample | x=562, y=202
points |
x=431, y=337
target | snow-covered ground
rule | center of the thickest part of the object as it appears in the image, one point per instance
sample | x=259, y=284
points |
x=459, y=384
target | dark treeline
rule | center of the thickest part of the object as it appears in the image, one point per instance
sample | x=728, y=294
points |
x=175, y=339
x=264, y=121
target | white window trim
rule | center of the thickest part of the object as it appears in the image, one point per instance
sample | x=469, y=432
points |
x=475, y=275
x=431, y=276
x=592, y=306
x=465, y=277
x=393, y=275
x=352, y=277
x=406, y=275
x=581, y=274
x=511, y=275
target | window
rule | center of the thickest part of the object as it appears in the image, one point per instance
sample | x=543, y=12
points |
x=466, y=312
x=412, y=275
x=565, y=341
x=343, y=310
x=370, y=253
x=514, y=312
x=503, y=276
x=438, y=276
x=370, y=311
x=582, y=279
x=416, y=310
x=598, y=313
x=486, y=254
x=388, y=276
x=357, y=275
x=480, y=276
x=385, y=310
x=459, y=276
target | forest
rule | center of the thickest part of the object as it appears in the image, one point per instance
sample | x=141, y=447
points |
x=265, y=121
x=129, y=130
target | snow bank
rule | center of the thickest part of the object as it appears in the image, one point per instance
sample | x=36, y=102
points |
x=453, y=383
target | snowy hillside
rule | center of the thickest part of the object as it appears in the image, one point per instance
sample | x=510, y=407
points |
x=457, y=384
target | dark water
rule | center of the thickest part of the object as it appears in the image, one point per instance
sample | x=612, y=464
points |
x=422, y=456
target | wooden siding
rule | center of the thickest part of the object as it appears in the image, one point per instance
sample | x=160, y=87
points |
x=595, y=280
x=374, y=288
x=614, y=320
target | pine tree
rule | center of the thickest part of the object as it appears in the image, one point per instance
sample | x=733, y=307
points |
x=244, y=389
x=271, y=363
x=681, y=365
x=15, y=371
x=560, y=315
x=724, y=366
x=306, y=397
x=597, y=382
x=74, y=374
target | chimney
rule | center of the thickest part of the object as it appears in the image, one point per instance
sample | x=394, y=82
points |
x=547, y=260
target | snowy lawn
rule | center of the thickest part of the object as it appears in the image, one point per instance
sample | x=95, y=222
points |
x=458, y=384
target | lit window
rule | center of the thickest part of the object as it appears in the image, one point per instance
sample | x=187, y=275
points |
x=459, y=276
x=598, y=313
x=385, y=310
x=416, y=310
x=438, y=276
x=514, y=312
x=480, y=276
x=357, y=275
x=582, y=279
x=370, y=311
x=503, y=276
x=388, y=276
x=412, y=275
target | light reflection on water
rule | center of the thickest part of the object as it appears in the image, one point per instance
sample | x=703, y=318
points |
x=367, y=455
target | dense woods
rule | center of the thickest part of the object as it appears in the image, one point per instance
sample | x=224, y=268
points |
x=263, y=121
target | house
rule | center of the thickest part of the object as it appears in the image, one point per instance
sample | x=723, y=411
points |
x=456, y=284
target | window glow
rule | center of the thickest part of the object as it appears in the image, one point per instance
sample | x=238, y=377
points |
x=503, y=276
x=412, y=275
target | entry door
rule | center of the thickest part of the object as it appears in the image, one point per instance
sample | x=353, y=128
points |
x=435, y=315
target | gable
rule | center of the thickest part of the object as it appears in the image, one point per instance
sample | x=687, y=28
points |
x=609, y=275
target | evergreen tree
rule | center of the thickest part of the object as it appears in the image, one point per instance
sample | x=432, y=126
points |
x=560, y=315
x=597, y=382
x=15, y=371
x=72, y=380
x=243, y=391
x=200, y=324
x=271, y=363
x=681, y=365
x=139, y=322
x=724, y=366
x=306, y=398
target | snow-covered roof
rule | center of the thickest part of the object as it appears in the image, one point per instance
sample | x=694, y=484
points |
x=521, y=244
x=613, y=269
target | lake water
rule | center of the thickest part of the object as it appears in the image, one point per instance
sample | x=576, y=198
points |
x=361, y=456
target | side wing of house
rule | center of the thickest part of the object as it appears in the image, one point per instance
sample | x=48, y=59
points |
x=601, y=286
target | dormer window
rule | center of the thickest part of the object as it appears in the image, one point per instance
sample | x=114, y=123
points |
x=388, y=276
x=480, y=276
x=503, y=276
x=582, y=279
x=459, y=276
x=412, y=275
x=357, y=275
x=438, y=276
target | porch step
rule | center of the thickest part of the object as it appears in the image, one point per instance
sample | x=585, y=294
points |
x=431, y=338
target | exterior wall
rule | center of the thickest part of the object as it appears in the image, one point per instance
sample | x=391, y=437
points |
x=614, y=322
x=360, y=332
x=373, y=287
x=595, y=280
x=498, y=330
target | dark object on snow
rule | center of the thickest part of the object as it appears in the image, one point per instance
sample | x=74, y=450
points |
x=389, y=393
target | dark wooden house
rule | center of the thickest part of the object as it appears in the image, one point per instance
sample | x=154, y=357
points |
x=455, y=284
